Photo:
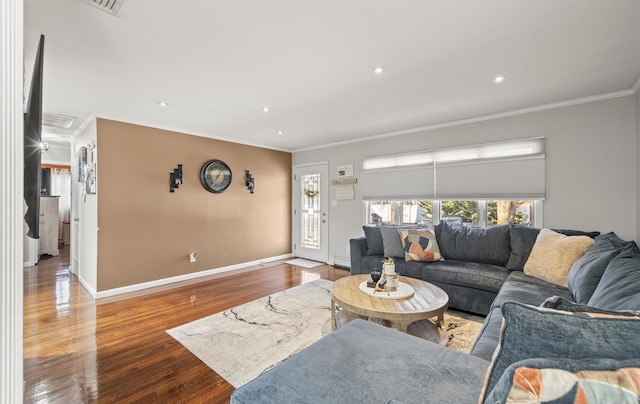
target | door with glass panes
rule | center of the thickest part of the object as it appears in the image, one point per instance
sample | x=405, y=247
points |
x=310, y=212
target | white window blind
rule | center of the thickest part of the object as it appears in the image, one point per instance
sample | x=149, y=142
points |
x=505, y=170
x=502, y=179
x=405, y=183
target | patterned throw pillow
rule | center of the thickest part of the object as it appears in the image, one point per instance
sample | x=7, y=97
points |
x=553, y=254
x=530, y=332
x=419, y=245
x=569, y=381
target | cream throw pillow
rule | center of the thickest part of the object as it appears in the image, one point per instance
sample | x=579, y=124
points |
x=553, y=254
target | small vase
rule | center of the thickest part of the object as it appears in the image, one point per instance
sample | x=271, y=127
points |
x=389, y=269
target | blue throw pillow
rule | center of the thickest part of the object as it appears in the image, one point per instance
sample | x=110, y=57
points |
x=392, y=241
x=532, y=332
x=586, y=272
x=374, y=240
x=562, y=304
x=522, y=238
x=619, y=287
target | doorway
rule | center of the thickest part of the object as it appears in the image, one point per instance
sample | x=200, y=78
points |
x=310, y=214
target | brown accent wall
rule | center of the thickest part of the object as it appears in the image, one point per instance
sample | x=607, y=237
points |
x=146, y=232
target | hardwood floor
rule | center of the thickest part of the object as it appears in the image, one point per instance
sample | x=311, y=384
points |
x=78, y=352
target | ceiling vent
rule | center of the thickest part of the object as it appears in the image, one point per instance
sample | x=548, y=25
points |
x=57, y=121
x=113, y=7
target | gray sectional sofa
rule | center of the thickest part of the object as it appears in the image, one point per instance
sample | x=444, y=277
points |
x=365, y=362
x=477, y=262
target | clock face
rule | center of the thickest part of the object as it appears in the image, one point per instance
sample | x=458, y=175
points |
x=215, y=176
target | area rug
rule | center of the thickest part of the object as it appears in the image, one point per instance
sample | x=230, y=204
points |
x=301, y=262
x=241, y=343
x=463, y=328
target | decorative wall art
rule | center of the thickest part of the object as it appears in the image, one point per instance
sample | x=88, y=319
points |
x=249, y=180
x=87, y=168
x=82, y=162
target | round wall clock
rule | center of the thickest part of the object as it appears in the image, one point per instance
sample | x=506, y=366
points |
x=215, y=176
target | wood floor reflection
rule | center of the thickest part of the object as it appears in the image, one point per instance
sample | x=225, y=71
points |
x=78, y=352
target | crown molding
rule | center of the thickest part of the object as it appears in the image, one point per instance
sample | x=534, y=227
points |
x=95, y=116
x=482, y=118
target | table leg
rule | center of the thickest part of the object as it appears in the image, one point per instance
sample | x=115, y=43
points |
x=440, y=321
x=402, y=326
x=333, y=315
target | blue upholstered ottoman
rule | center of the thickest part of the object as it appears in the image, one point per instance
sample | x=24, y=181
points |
x=364, y=362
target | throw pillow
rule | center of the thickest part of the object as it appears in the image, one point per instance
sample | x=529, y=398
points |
x=586, y=272
x=392, y=243
x=522, y=240
x=568, y=381
x=524, y=237
x=553, y=254
x=374, y=240
x=532, y=332
x=562, y=304
x=619, y=287
x=419, y=245
x=484, y=246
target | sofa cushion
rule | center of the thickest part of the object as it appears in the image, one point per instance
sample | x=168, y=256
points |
x=485, y=246
x=586, y=272
x=467, y=274
x=526, y=289
x=487, y=340
x=571, y=381
x=619, y=287
x=374, y=240
x=524, y=237
x=364, y=362
x=532, y=332
x=553, y=254
x=419, y=245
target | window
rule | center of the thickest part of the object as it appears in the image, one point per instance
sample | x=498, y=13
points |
x=469, y=213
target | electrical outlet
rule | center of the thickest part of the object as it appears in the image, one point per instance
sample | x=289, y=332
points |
x=193, y=256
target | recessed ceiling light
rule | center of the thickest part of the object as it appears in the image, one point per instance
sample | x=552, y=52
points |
x=280, y=133
x=265, y=109
x=378, y=70
x=162, y=104
x=499, y=79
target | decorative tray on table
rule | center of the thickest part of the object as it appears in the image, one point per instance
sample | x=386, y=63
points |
x=403, y=291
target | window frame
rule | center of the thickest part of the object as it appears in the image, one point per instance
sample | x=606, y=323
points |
x=537, y=211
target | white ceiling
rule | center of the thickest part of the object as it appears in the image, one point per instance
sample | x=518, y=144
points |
x=218, y=63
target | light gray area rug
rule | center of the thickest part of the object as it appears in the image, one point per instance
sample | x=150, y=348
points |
x=241, y=343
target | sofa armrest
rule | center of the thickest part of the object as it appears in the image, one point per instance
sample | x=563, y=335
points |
x=358, y=249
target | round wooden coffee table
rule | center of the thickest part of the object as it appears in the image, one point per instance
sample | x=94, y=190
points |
x=410, y=315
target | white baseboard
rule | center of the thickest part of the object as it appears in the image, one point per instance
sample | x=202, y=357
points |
x=342, y=261
x=86, y=285
x=161, y=282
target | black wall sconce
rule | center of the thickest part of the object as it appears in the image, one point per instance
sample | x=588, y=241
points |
x=249, y=180
x=175, y=178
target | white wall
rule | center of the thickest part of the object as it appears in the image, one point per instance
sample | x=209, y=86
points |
x=84, y=242
x=591, y=165
x=57, y=154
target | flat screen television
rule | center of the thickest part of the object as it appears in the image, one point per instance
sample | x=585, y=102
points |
x=32, y=146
